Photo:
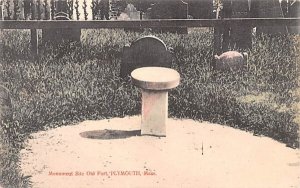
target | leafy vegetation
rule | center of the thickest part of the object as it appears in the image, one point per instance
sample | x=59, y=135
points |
x=72, y=83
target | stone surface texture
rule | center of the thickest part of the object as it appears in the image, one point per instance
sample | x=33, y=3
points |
x=155, y=78
x=193, y=154
x=145, y=52
x=155, y=83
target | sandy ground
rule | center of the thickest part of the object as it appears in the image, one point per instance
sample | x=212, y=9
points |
x=192, y=155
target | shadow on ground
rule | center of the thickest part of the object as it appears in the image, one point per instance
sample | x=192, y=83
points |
x=110, y=134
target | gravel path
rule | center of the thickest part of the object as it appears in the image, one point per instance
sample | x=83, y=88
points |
x=110, y=153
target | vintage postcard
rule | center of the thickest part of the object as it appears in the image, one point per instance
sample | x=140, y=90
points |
x=149, y=93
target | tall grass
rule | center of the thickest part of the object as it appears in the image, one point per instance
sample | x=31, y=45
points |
x=81, y=81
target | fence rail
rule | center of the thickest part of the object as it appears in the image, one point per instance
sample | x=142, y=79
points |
x=158, y=23
x=33, y=25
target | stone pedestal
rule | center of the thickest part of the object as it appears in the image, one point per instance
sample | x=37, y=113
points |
x=155, y=83
x=154, y=112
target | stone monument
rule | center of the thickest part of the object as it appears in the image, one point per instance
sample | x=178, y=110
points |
x=200, y=9
x=145, y=52
x=294, y=12
x=236, y=36
x=268, y=9
x=132, y=13
x=175, y=9
x=155, y=83
x=57, y=36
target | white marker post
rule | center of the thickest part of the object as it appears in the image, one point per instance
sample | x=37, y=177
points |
x=155, y=83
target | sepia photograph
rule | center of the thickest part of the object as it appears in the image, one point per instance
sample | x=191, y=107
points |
x=149, y=93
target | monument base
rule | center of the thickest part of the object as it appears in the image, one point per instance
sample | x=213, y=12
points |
x=154, y=112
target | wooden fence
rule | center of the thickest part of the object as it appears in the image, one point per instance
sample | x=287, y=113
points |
x=158, y=23
x=33, y=25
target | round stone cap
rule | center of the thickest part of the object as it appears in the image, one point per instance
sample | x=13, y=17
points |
x=155, y=78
